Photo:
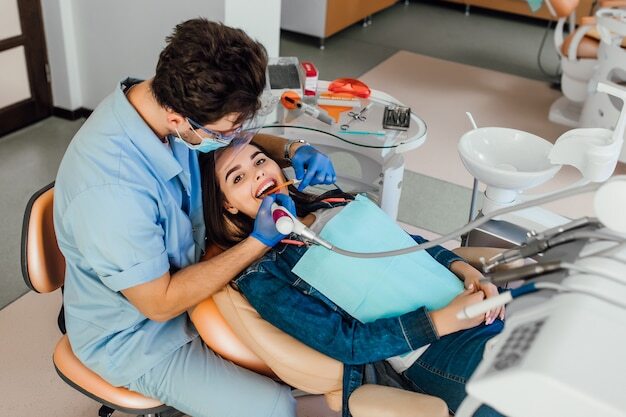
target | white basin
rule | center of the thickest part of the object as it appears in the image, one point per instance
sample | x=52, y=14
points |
x=508, y=159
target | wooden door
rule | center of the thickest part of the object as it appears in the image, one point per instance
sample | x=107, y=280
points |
x=25, y=94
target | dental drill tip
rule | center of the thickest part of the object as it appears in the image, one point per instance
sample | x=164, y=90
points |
x=483, y=263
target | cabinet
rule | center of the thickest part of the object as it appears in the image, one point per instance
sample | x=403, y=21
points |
x=323, y=18
x=521, y=7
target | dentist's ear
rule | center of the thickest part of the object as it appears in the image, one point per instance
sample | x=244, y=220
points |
x=176, y=121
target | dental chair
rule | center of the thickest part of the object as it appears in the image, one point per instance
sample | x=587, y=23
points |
x=601, y=110
x=226, y=322
x=579, y=59
x=579, y=56
x=232, y=328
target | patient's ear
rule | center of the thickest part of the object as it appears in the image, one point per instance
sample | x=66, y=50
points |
x=230, y=208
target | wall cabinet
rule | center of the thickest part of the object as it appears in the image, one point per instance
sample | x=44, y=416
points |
x=323, y=18
x=521, y=7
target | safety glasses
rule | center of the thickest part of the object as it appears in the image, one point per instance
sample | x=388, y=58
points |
x=350, y=86
x=221, y=137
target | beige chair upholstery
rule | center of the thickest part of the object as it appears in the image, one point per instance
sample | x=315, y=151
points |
x=71, y=369
x=288, y=359
x=376, y=401
x=42, y=261
x=297, y=364
x=587, y=48
x=589, y=44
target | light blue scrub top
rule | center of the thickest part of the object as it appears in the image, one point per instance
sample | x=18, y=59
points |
x=127, y=208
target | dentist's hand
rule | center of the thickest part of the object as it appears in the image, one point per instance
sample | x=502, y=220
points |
x=312, y=167
x=264, y=226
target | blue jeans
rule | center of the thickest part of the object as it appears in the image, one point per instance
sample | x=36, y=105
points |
x=444, y=368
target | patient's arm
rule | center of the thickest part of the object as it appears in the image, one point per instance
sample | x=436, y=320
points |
x=329, y=330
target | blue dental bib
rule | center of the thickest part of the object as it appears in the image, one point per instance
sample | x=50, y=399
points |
x=369, y=289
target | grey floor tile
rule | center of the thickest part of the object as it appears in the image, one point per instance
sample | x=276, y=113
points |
x=29, y=159
x=485, y=39
x=342, y=57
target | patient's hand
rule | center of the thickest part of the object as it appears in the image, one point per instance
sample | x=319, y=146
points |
x=445, y=320
x=472, y=278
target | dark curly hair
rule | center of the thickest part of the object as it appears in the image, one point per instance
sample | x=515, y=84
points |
x=209, y=70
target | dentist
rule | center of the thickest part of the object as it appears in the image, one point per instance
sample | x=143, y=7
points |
x=129, y=221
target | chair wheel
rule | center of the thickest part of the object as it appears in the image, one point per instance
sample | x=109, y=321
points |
x=105, y=411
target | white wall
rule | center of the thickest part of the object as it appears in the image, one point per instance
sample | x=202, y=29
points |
x=94, y=44
x=259, y=18
x=62, y=54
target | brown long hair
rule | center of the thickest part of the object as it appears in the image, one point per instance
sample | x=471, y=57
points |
x=225, y=229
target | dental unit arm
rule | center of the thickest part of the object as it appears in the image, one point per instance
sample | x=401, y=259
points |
x=299, y=229
x=566, y=352
x=540, y=242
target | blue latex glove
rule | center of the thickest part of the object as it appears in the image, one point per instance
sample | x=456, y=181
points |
x=264, y=226
x=312, y=167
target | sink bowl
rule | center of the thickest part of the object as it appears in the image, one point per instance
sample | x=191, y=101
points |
x=505, y=158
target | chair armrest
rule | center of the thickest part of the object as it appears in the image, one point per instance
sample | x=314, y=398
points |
x=473, y=255
x=379, y=401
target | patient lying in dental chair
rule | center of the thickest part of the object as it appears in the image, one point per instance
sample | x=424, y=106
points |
x=422, y=347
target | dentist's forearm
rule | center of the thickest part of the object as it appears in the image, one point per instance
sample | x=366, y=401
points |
x=171, y=295
x=275, y=145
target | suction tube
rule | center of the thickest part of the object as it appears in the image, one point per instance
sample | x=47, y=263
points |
x=287, y=223
x=305, y=232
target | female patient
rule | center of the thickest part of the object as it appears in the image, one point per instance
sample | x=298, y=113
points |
x=438, y=351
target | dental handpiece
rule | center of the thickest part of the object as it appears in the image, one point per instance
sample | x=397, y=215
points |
x=484, y=306
x=524, y=272
x=499, y=300
x=287, y=223
x=538, y=243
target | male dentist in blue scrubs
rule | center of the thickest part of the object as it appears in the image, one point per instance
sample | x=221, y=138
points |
x=128, y=217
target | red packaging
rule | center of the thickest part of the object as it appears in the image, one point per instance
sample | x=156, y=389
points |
x=311, y=75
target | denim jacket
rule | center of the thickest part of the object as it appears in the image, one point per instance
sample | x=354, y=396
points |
x=289, y=303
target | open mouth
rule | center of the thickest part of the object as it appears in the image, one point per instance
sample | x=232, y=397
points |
x=268, y=184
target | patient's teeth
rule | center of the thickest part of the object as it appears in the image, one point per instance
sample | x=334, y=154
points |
x=265, y=188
